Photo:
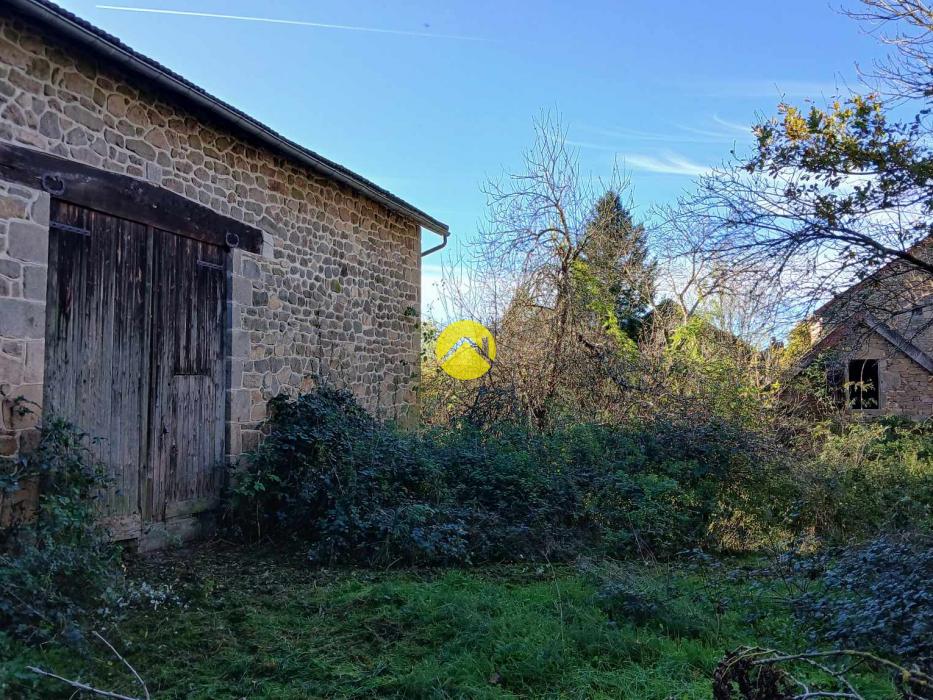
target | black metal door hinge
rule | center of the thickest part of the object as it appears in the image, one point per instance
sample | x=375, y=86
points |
x=69, y=228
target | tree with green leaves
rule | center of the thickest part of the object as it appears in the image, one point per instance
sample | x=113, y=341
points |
x=832, y=195
x=614, y=275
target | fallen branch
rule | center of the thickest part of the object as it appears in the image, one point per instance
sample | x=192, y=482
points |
x=765, y=674
x=82, y=686
x=98, y=691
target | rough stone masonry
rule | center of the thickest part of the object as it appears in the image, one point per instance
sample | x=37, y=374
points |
x=335, y=293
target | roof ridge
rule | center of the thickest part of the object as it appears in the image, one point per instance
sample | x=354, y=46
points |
x=896, y=339
x=97, y=40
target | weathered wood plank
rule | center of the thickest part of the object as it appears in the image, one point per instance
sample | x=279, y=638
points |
x=188, y=386
x=122, y=527
x=164, y=330
x=96, y=354
x=182, y=528
x=123, y=196
x=191, y=506
x=135, y=328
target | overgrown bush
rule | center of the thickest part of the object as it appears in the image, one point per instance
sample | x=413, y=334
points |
x=57, y=569
x=877, y=596
x=358, y=490
x=331, y=474
x=864, y=477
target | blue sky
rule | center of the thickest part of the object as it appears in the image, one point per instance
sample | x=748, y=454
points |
x=444, y=94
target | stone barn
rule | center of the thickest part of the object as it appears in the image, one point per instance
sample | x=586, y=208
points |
x=168, y=264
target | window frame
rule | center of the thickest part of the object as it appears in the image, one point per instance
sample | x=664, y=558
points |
x=858, y=395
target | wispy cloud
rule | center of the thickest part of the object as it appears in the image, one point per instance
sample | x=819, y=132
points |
x=708, y=135
x=744, y=129
x=682, y=134
x=666, y=163
x=294, y=22
x=593, y=146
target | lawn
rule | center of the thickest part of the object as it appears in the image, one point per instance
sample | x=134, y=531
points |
x=263, y=624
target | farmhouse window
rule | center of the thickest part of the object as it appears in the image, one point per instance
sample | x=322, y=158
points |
x=863, y=384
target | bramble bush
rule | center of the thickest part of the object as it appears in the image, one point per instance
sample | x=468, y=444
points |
x=57, y=568
x=358, y=490
x=875, y=596
x=863, y=478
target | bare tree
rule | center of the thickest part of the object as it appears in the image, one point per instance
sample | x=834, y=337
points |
x=543, y=235
x=907, y=27
x=829, y=199
x=536, y=219
x=837, y=195
x=738, y=295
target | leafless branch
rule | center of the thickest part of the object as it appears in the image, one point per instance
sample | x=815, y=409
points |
x=763, y=674
x=98, y=691
x=907, y=27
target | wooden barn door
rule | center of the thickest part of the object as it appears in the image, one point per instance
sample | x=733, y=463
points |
x=135, y=358
x=187, y=392
x=97, y=345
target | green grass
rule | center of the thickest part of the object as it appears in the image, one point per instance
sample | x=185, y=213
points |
x=264, y=625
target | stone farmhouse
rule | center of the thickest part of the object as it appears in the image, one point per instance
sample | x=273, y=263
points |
x=876, y=341
x=168, y=264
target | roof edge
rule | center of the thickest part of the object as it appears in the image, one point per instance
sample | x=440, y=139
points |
x=856, y=286
x=86, y=34
x=900, y=342
x=895, y=339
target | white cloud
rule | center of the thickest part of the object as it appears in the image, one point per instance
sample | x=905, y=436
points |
x=666, y=163
x=744, y=129
x=687, y=135
x=593, y=146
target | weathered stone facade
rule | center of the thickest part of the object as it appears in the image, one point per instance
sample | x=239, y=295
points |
x=24, y=219
x=896, y=302
x=905, y=387
x=334, y=294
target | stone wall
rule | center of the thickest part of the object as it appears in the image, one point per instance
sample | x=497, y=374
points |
x=336, y=291
x=24, y=235
x=906, y=388
x=898, y=295
x=901, y=297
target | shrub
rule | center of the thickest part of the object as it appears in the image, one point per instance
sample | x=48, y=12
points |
x=331, y=474
x=57, y=568
x=864, y=478
x=877, y=596
x=358, y=490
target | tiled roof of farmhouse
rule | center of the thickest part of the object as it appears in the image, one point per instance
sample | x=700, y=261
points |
x=112, y=49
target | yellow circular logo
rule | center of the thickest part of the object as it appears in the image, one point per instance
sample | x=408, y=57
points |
x=465, y=350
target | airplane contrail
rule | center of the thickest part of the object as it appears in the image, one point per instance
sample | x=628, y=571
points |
x=297, y=22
